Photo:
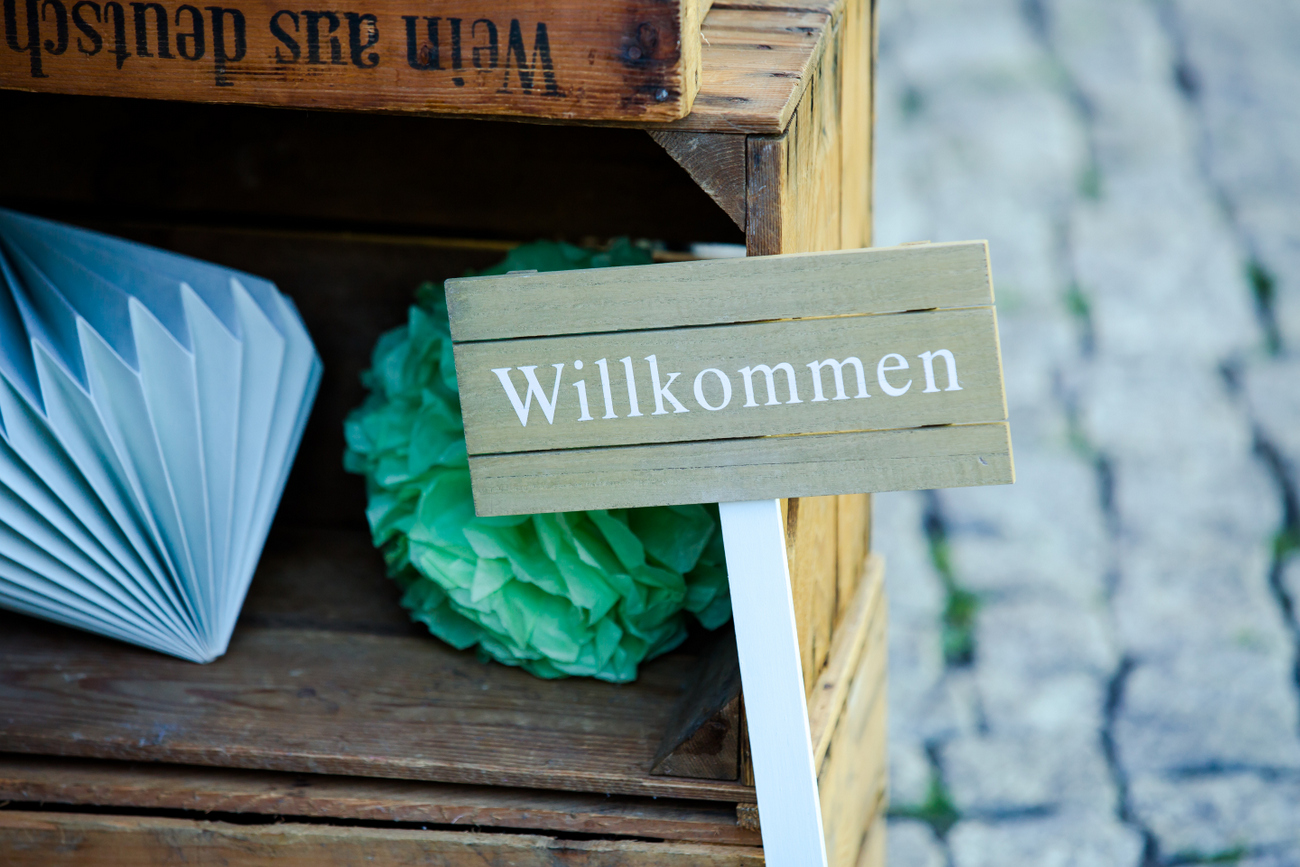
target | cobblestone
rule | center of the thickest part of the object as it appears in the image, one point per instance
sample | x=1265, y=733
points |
x=1064, y=840
x=1131, y=697
x=1040, y=771
x=1200, y=818
x=912, y=844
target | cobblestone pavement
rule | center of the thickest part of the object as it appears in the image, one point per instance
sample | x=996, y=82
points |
x=1098, y=666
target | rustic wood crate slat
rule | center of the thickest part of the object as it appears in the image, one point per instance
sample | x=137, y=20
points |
x=609, y=60
x=47, y=839
x=33, y=780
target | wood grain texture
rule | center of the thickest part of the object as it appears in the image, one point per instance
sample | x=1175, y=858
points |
x=852, y=774
x=721, y=291
x=31, y=839
x=209, y=790
x=612, y=60
x=865, y=619
x=949, y=456
x=853, y=517
x=856, y=121
x=811, y=548
x=732, y=399
x=703, y=739
x=754, y=66
x=795, y=177
x=326, y=675
x=874, y=851
x=715, y=161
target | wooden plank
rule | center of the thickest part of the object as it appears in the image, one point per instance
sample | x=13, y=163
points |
x=811, y=530
x=173, y=787
x=853, y=517
x=704, y=292
x=715, y=161
x=755, y=64
x=703, y=741
x=795, y=177
x=614, y=60
x=856, y=116
x=718, y=393
x=342, y=685
x=873, y=852
x=33, y=839
x=933, y=457
x=755, y=67
x=852, y=774
x=865, y=618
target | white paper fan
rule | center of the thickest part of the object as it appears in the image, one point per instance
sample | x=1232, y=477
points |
x=150, y=408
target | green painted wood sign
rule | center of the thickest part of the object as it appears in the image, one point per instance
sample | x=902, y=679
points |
x=731, y=379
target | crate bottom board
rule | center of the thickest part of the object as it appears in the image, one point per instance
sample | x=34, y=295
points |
x=326, y=675
x=264, y=796
x=47, y=839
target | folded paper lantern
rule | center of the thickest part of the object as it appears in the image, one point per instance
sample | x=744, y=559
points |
x=578, y=593
x=150, y=407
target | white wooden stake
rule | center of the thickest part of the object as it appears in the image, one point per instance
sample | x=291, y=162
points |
x=775, y=708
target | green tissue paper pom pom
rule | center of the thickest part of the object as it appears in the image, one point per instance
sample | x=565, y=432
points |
x=574, y=593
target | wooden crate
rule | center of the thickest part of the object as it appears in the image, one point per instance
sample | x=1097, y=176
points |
x=334, y=731
x=608, y=60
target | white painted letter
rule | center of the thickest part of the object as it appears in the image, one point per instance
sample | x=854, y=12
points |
x=534, y=387
x=631, y=388
x=661, y=391
x=699, y=389
x=838, y=368
x=769, y=372
x=581, y=386
x=927, y=358
x=604, y=387
x=881, y=369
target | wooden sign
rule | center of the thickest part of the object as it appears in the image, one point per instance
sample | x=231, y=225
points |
x=737, y=381
x=607, y=60
x=731, y=379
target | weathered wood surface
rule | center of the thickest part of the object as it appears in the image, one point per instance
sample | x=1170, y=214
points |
x=36, y=780
x=892, y=382
x=811, y=538
x=853, y=768
x=755, y=67
x=325, y=675
x=809, y=181
x=751, y=63
x=32, y=839
x=609, y=60
x=721, y=291
x=946, y=456
x=874, y=848
x=703, y=740
x=864, y=621
x=715, y=161
x=853, y=541
x=571, y=464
